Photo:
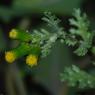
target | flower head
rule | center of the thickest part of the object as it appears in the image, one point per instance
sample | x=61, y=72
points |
x=31, y=60
x=10, y=56
x=13, y=33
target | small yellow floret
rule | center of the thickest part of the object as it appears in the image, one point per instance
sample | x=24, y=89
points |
x=13, y=33
x=10, y=57
x=31, y=60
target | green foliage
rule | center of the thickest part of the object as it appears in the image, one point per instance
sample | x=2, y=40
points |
x=76, y=77
x=57, y=32
x=79, y=36
x=82, y=30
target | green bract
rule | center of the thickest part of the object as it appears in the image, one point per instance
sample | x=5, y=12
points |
x=20, y=35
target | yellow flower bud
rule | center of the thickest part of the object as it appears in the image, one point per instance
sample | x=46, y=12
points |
x=13, y=33
x=10, y=56
x=31, y=60
x=20, y=35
